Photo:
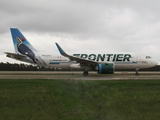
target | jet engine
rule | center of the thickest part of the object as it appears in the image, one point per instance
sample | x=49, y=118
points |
x=106, y=68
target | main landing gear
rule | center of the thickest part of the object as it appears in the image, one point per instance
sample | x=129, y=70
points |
x=85, y=73
x=137, y=72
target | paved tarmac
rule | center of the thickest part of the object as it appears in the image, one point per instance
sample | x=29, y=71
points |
x=77, y=75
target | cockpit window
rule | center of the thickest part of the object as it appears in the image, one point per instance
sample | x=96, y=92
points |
x=148, y=57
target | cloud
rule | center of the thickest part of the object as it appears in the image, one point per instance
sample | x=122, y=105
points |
x=92, y=26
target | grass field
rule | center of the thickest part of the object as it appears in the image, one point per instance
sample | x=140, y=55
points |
x=79, y=100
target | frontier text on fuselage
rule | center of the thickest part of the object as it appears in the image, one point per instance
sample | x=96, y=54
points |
x=105, y=57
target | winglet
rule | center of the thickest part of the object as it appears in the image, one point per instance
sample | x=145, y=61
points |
x=61, y=50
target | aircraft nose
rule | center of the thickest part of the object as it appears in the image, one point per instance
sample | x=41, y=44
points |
x=154, y=63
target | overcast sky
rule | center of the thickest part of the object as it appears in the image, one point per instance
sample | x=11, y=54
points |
x=83, y=26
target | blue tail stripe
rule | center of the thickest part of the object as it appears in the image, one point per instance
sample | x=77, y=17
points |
x=16, y=34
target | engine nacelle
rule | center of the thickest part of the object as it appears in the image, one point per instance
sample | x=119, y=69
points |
x=106, y=68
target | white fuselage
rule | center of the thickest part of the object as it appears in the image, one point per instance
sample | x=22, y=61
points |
x=121, y=61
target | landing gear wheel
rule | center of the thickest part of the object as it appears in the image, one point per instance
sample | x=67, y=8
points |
x=85, y=73
x=137, y=71
x=137, y=74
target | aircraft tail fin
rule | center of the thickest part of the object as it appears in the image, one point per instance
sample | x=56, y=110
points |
x=22, y=46
x=18, y=38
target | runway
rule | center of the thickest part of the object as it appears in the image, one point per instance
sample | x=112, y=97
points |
x=66, y=75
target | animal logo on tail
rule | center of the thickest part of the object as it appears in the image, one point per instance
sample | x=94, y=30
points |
x=24, y=49
x=22, y=45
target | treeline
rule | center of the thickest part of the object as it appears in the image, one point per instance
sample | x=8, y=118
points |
x=16, y=67
x=26, y=67
x=156, y=68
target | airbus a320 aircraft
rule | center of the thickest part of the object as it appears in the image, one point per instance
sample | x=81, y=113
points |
x=103, y=63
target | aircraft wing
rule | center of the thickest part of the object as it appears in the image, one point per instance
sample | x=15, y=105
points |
x=82, y=61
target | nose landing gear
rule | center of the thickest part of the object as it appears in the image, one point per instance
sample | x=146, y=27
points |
x=137, y=69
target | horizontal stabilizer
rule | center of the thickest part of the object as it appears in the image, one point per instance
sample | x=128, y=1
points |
x=18, y=57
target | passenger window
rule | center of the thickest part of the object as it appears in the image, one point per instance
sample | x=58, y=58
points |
x=148, y=57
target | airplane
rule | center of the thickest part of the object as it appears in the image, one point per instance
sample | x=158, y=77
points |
x=102, y=63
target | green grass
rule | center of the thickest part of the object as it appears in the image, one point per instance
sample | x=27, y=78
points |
x=79, y=100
